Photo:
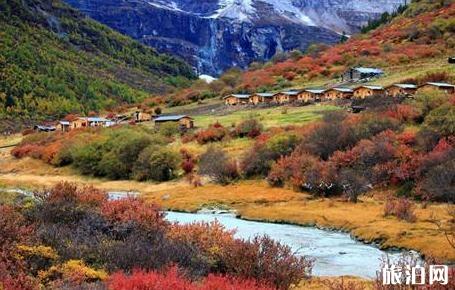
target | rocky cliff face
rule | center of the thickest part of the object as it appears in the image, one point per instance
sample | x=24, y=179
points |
x=214, y=35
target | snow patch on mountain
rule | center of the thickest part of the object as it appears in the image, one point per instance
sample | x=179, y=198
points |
x=240, y=10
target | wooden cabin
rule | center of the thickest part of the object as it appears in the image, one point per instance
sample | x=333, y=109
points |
x=286, y=97
x=396, y=90
x=258, y=98
x=361, y=73
x=366, y=91
x=448, y=88
x=184, y=121
x=142, y=117
x=84, y=122
x=236, y=99
x=338, y=93
x=311, y=95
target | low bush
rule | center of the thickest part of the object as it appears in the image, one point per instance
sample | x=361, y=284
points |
x=214, y=133
x=250, y=128
x=171, y=279
x=401, y=208
x=157, y=164
x=217, y=165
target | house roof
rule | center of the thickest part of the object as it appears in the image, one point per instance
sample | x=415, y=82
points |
x=97, y=119
x=64, y=122
x=343, y=90
x=441, y=85
x=238, y=96
x=265, y=95
x=404, y=86
x=368, y=70
x=315, y=91
x=375, y=88
x=171, y=118
x=290, y=93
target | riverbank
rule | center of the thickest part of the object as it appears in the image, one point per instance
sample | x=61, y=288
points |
x=255, y=200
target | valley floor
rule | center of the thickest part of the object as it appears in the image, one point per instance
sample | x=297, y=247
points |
x=255, y=200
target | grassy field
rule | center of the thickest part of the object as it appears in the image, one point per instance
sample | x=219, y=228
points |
x=269, y=117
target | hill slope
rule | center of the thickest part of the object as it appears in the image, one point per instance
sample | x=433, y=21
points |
x=54, y=61
x=423, y=34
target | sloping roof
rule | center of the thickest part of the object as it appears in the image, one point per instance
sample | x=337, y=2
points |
x=171, y=118
x=368, y=70
x=404, y=86
x=315, y=91
x=97, y=119
x=441, y=85
x=372, y=87
x=265, y=95
x=64, y=122
x=343, y=90
x=290, y=93
x=238, y=96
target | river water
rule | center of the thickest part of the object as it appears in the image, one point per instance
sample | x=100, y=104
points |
x=335, y=253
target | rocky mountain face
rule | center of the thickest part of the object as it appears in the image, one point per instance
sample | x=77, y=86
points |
x=214, y=35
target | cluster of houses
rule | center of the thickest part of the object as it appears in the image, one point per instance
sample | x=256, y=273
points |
x=183, y=121
x=318, y=95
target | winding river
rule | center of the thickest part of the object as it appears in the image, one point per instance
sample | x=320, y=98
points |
x=335, y=253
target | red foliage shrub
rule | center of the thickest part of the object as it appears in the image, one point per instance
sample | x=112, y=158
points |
x=14, y=230
x=172, y=280
x=215, y=133
x=401, y=208
x=70, y=192
x=136, y=210
x=248, y=128
x=403, y=113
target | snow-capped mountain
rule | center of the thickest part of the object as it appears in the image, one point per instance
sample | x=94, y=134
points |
x=214, y=35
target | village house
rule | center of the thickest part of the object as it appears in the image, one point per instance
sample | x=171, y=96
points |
x=311, y=95
x=338, y=93
x=184, y=121
x=396, y=90
x=83, y=122
x=448, y=88
x=261, y=98
x=366, y=91
x=236, y=99
x=285, y=97
x=361, y=73
x=142, y=117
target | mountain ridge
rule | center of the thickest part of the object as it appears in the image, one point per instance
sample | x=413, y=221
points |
x=219, y=34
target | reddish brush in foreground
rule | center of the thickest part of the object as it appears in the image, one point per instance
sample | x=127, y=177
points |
x=172, y=280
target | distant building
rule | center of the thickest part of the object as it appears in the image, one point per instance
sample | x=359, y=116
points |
x=366, y=91
x=261, y=98
x=44, y=128
x=361, y=73
x=338, y=93
x=396, y=90
x=311, y=95
x=84, y=122
x=451, y=60
x=448, y=88
x=236, y=99
x=142, y=117
x=184, y=121
x=286, y=97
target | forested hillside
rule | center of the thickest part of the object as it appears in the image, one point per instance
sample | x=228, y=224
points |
x=54, y=61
